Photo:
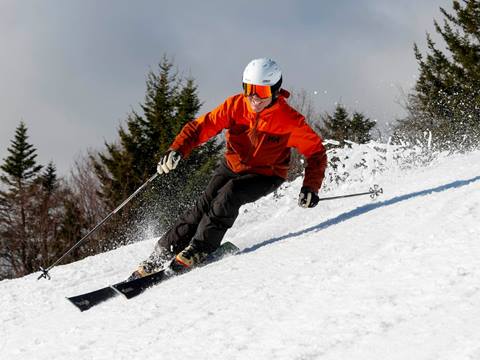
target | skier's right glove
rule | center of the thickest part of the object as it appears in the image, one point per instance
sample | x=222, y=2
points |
x=168, y=162
x=307, y=198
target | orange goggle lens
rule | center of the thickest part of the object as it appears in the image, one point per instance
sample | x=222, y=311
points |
x=262, y=91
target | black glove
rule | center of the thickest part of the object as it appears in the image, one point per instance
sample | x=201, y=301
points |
x=168, y=162
x=307, y=198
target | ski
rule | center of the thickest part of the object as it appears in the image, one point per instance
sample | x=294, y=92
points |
x=135, y=287
x=87, y=300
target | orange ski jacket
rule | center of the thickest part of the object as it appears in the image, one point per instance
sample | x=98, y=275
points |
x=258, y=142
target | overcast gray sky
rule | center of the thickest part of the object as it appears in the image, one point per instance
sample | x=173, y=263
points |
x=73, y=70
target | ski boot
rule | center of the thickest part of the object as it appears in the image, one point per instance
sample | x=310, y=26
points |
x=155, y=262
x=192, y=255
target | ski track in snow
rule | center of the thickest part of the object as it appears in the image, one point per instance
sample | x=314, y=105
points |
x=396, y=278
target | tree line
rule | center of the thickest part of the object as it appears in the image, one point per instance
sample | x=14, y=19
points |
x=42, y=214
x=446, y=98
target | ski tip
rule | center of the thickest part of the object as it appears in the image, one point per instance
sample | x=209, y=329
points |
x=81, y=305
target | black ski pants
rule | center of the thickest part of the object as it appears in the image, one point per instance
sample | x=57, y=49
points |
x=217, y=208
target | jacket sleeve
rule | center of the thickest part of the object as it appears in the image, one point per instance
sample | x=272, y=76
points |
x=309, y=144
x=202, y=129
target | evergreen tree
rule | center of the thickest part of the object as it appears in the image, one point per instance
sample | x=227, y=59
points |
x=20, y=166
x=17, y=205
x=446, y=100
x=359, y=128
x=336, y=126
x=169, y=104
x=49, y=179
x=125, y=165
x=341, y=126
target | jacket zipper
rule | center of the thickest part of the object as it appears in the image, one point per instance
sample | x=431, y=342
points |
x=254, y=139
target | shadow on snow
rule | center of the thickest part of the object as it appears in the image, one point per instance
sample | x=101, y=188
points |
x=362, y=210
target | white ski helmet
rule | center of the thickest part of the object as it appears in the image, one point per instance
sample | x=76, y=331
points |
x=263, y=71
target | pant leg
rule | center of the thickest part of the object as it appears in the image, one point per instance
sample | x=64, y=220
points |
x=182, y=232
x=224, y=208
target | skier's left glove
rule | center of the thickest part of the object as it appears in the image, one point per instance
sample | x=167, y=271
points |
x=168, y=162
x=307, y=198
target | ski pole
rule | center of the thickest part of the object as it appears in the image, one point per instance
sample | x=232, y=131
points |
x=374, y=192
x=82, y=240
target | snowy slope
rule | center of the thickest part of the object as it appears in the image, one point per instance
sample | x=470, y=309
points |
x=397, y=278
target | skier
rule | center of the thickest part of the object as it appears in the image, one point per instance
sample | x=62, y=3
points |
x=261, y=130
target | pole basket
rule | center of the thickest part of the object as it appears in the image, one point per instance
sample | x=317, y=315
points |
x=375, y=191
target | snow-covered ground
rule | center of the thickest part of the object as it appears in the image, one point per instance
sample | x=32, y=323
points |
x=394, y=278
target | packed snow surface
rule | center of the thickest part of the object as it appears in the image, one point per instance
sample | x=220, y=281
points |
x=393, y=278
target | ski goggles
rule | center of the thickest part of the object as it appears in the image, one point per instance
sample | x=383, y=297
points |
x=262, y=91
